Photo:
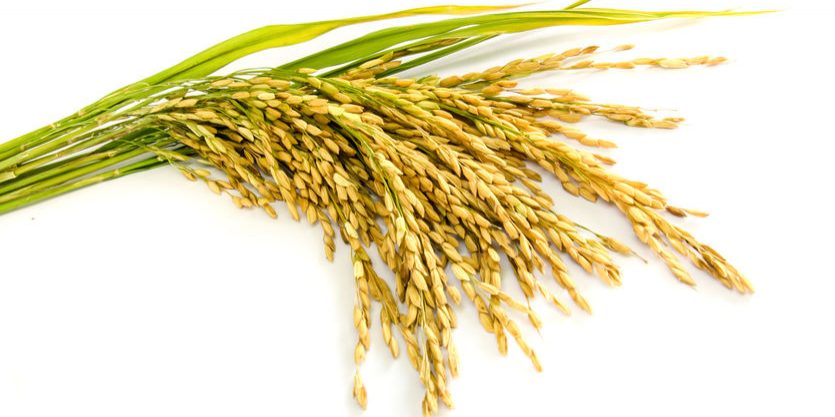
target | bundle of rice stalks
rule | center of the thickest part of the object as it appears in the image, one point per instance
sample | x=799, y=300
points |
x=435, y=174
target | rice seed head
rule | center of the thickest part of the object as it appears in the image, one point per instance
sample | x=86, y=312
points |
x=434, y=173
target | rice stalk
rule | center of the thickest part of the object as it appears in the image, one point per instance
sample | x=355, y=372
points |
x=435, y=174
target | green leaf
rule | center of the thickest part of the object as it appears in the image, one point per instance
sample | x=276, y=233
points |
x=376, y=43
x=274, y=36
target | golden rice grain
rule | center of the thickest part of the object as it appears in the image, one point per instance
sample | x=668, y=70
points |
x=434, y=174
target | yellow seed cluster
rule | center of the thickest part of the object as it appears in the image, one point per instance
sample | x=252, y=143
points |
x=435, y=175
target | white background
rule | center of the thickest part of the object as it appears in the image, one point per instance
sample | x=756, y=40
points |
x=151, y=296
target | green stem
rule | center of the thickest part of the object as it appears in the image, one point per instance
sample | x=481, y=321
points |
x=87, y=120
x=475, y=40
x=132, y=168
x=577, y=4
x=71, y=175
x=80, y=143
x=67, y=165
